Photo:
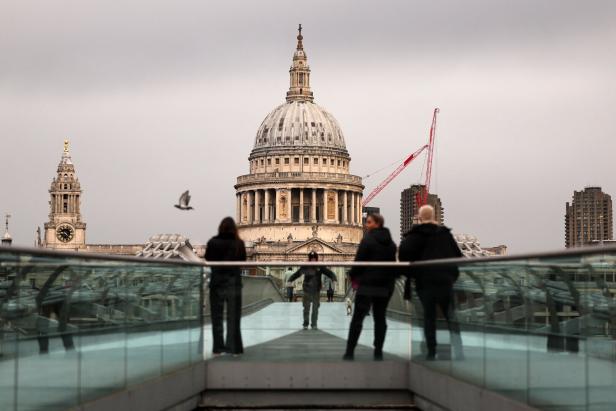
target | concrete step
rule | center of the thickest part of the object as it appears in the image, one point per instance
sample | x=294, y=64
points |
x=307, y=400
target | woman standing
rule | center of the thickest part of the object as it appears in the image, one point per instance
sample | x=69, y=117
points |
x=375, y=284
x=226, y=287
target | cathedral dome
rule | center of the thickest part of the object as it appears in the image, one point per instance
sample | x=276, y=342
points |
x=299, y=188
x=299, y=124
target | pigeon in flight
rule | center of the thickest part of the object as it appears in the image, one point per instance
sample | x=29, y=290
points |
x=183, y=202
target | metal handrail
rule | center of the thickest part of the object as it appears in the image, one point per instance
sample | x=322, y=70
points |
x=581, y=251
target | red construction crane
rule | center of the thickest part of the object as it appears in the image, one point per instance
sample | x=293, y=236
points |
x=423, y=199
x=393, y=175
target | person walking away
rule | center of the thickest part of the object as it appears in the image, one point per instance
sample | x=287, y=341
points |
x=375, y=285
x=312, y=289
x=289, y=284
x=428, y=241
x=330, y=293
x=226, y=287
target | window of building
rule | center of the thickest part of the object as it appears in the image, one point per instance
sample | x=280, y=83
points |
x=277, y=161
x=338, y=163
x=316, y=161
x=269, y=161
x=262, y=162
x=296, y=160
x=306, y=160
x=324, y=161
x=331, y=162
x=286, y=160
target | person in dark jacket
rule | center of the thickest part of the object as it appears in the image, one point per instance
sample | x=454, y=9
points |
x=312, y=289
x=375, y=284
x=429, y=241
x=226, y=287
x=330, y=293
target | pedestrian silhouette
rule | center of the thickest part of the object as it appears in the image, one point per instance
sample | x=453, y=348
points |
x=375, y=285
x=429, y=241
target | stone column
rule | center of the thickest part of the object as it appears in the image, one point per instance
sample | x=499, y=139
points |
x=276, y=207
x=257, y=208
x=336, y=214
x=250, y=197
x=353, y=215
x=266, y=211
x=359, y=209
x=345, y=216
x=313, y=206
x=238, y=216
x=301, y=204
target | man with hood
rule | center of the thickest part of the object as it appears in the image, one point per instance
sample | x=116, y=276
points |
x=429, y=241
x=312, y=288
x=375, y=284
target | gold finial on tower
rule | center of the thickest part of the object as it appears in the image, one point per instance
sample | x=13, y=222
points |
x=66, y=146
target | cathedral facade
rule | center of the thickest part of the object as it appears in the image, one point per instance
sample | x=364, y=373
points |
x=299, y=195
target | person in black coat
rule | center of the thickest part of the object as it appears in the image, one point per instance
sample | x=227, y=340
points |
x=376, y=284
x=226, y=287
x=429, y=241
x=312, y=289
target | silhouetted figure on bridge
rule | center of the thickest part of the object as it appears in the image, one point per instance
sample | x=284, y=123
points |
x=429, y=241
x=375, y=284
x=289, y=285
x=312, y=289
x=226, y=287
x=330, y=293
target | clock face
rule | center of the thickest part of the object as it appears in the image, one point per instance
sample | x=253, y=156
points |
x=65, y=233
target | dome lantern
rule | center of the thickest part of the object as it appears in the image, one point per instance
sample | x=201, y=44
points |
x=299, y=73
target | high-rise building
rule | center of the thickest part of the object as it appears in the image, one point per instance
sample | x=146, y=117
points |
x=408, y=207
x=589, y=218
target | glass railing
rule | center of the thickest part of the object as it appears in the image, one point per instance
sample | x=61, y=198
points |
x=75, y=328
x=539, y=329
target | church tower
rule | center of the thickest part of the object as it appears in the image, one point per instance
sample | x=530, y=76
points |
x=65, y=230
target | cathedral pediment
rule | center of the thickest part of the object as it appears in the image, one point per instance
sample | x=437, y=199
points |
x=314, y=244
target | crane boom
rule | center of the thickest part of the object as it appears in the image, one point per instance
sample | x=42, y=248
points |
x=393, y=175
x=423, y=198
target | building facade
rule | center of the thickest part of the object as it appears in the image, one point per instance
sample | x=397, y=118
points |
x=408, y=207
x=589, y=218
x=299, y=195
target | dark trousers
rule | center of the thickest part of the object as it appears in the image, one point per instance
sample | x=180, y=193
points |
x=362, y=309
x=330, y=296
x=439, y=296
x=231, y=295
x=61, y=312
x=314, y=300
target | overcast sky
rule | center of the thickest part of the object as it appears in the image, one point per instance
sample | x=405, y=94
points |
x=158, y=97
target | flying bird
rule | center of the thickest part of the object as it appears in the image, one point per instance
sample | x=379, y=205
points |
x=184, y=201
